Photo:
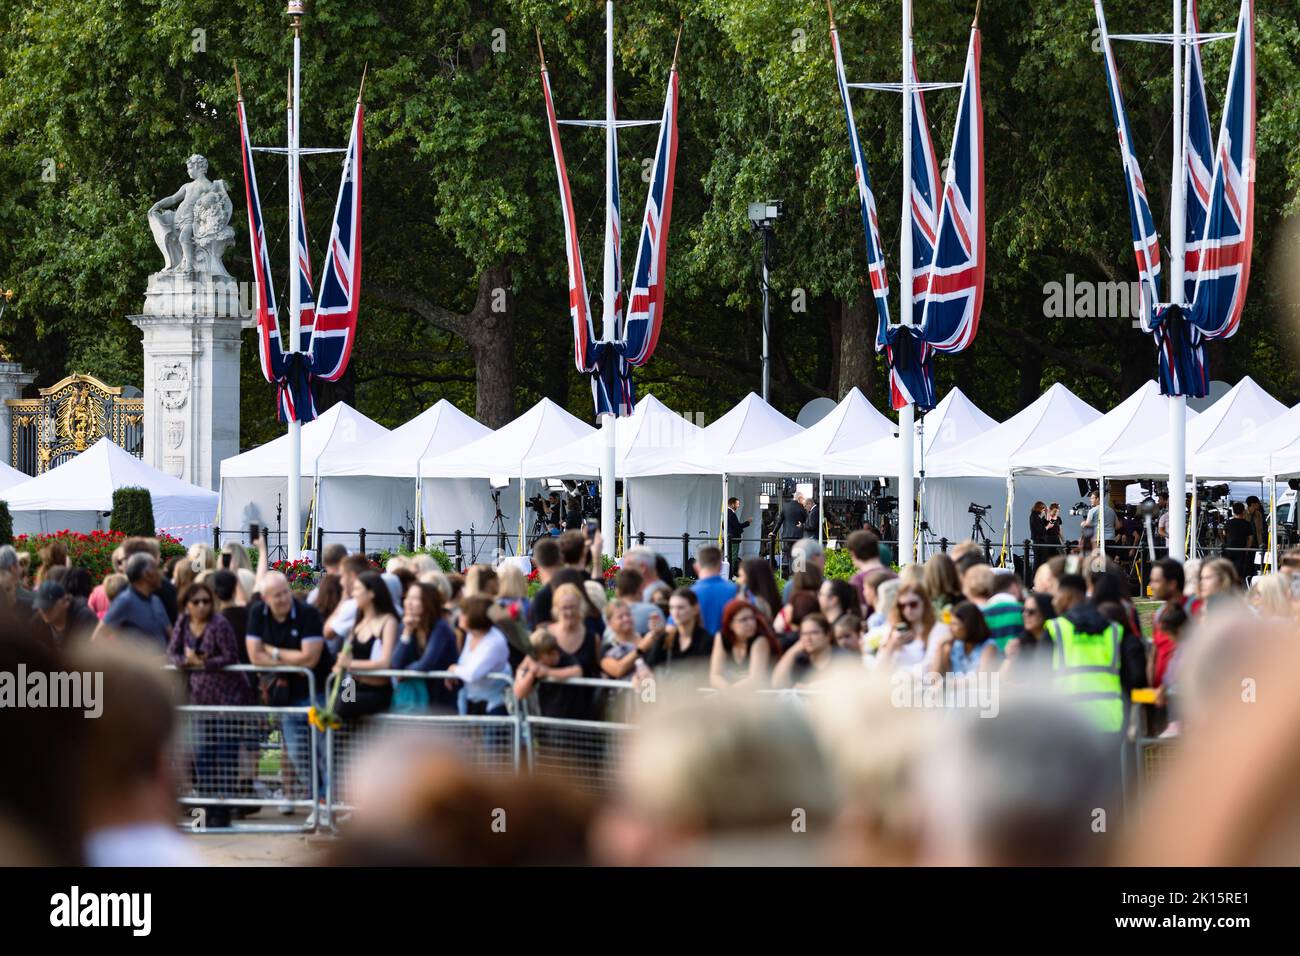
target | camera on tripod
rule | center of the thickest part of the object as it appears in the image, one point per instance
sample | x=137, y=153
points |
x=538, y=504
x=980, y=510
x=1080, y=510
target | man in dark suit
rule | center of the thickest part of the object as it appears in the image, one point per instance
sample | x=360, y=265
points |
x=812, y=522
x=735, y=531
x=790, y=527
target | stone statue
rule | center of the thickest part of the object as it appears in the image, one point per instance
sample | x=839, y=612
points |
x=192, y=227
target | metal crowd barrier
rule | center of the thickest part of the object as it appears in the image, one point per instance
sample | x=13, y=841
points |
x=231, y=756
x=490, y=743
x=588, y=752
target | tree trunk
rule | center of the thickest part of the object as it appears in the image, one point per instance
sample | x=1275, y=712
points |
x=857, y=351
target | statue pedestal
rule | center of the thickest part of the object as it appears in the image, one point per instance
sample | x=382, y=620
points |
x=191, y=328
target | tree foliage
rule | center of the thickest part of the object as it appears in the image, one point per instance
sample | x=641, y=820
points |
x=101, y=102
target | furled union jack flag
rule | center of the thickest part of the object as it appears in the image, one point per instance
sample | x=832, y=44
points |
x=328, y=325
x=947, y=224
x=609, y=363
x=1220, y=203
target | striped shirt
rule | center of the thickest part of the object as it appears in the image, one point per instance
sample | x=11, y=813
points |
x=1005, y=617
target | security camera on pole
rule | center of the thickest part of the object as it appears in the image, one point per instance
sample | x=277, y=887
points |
x=764, y=216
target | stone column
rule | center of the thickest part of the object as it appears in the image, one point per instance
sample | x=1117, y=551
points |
x=191, y=328
x=13, y=378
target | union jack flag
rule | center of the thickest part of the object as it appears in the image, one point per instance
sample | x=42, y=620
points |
x=1219, y=213
x=609, y=363
x=340, y=286
x=947, y=237
x=328, y=328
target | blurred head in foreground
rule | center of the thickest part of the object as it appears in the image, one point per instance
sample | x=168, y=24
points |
x=1032, y=786
x=1228, y=797
x=421, y=804
x=720, y=779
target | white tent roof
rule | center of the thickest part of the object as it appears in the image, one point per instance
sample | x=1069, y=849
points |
x=10, y=476
x=1245, y=410
x=852, y=423
x=954, y=420
x=435, y=431
x=543, y=427
x=751, y=424
x=1057, y=412
x=87, y=482
x=652, y=428
x=1271, y=450
x=341, y=431
x=1123, y=443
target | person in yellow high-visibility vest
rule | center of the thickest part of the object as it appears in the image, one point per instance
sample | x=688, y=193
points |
x=1094, y=662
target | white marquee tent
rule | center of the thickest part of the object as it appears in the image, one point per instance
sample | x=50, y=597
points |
x=254, y=484
x=652, y=428
x=375, y=486
x=977, y=471
x=1246, y=411
x=851, y=424
x=686, y=491
x=1105, y=447
x=494, y=461
x=1272, y=450
x=10, y=476
x=78, y=496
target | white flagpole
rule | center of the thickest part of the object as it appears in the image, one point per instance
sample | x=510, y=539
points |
x=906, y=414
x=1177, y=246
x=294, y=491
x=608, y=509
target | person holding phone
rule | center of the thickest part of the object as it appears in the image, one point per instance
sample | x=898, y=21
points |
x=913, y=630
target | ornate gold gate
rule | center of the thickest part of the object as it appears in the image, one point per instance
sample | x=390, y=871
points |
x=68, y=418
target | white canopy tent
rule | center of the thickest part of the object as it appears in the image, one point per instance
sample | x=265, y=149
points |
x=978, y=471
x=10, y=476
x=376, y=486
x=1104, y=449
x=78, y=496
x=451, y=503
x=1245, y=411
x=850, y=423
x=652, y=429
x=954, y=420
x=254, y=484
x=687, y=491
x=1272, y=451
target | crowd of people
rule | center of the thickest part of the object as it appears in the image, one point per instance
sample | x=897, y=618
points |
x=1074, y=629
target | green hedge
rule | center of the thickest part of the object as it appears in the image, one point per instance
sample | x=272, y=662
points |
x=132, y=512
x=6, y=524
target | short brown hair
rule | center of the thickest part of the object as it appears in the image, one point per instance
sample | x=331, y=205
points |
x=356, y=563
x=863, y=545
x=629, y=581
x=137, y=544
x=475, y=610
x=573, y=546
x=709, y=557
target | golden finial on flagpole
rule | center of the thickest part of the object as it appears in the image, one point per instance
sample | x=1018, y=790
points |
x=830, y=12
x=974, y=23
x=540, y=55
x=364, y=70
x=678, y=47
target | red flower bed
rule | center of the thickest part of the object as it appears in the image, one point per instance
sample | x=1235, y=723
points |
x=300, y=573
x=92, y=551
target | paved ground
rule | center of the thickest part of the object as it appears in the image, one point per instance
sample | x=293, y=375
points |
x=264, y=849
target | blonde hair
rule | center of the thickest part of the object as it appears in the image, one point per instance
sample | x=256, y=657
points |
x=201, y=557
x=113, y=584
x=1274, y=595
x=511, y=582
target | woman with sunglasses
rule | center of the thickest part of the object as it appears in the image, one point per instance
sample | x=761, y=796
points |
x=203, y=642
x=1029, y=649
x=912, y=630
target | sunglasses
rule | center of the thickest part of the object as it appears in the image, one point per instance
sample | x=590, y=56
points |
x=200, y=600
x=909, y=605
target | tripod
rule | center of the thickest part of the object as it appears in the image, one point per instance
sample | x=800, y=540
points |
x=979, y=532
x=278, y=552
x=497, y=529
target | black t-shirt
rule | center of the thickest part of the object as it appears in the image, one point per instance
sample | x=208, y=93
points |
x=167, y=594
x=303, y=623
x=563, y=700
x=1235, y=534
